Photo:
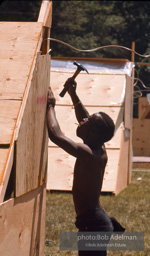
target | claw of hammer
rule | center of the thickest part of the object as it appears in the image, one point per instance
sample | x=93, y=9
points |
x=79, y=69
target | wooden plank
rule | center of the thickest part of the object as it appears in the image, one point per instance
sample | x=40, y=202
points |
x=3, y=157
x=9, y=110
x=124, y=171
x=43, y=10
x=141, y=165
x=94, y=89
x=119, y=62
x=18, y=45
x=130, y=155
x=48, y=16
x=142, y=64
x=45, y=43
x=31, y=145
x=123, y=164
x=5, y=169
x=48, y=41
x=70, y=124
x=133, y=53
x=22, y=224
x=45, y=14
x=128, y=103
x=141, y=162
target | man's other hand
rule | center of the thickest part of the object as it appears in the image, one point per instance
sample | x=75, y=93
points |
x=50, y=98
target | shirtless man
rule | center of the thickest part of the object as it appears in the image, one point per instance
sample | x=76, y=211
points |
x=89, y=168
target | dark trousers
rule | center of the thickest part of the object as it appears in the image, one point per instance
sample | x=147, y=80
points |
x=92, y=253
x=96, y=253
x=97, y=221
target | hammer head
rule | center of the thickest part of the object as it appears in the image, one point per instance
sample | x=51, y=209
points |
x=80, y=67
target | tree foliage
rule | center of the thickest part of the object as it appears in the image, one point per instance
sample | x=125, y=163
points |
x=89, y=24
x=20, y=10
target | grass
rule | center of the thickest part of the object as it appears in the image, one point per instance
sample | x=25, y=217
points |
x=131, y=208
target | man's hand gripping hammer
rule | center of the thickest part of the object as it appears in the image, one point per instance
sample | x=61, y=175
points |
x=79, y=69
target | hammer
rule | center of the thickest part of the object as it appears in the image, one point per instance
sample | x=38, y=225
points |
x=79, y=69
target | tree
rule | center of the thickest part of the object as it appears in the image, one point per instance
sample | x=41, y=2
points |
x=89, y=24
x=20, y=10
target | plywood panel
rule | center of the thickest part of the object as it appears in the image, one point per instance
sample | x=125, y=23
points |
x=15, y=34
x=18, y=45
x=61, y=168
x=14, y=79
x=3, y=157
x=8, y=114
x=94, y=89
x=22, y=224
x=141, y=142
x=31, y=145
x=68, y=122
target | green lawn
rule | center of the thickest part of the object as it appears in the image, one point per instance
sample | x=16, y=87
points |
x=131, y=208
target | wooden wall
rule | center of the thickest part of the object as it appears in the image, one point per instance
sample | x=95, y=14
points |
x=141, y=129
x=24, y=82
x=16, y=74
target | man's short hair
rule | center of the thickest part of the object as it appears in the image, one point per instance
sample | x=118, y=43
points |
x=105, y=126
x=109, y=127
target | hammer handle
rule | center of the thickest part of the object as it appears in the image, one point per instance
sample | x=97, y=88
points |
x=76, y=73
x=63, y=92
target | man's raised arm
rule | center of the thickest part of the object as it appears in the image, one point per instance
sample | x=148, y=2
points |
x=54, y=130
x=80, y=111
x=55, y=133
